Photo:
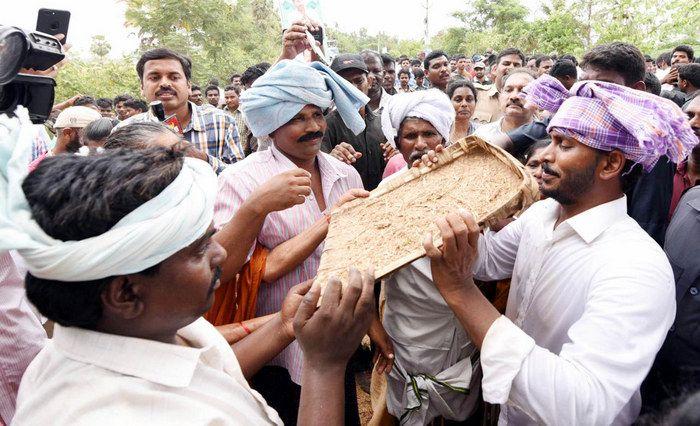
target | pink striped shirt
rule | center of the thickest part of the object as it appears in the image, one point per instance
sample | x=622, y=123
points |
x=235, y=185
x=21, y=335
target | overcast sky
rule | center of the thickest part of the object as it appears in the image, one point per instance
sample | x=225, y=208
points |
x=402, y=18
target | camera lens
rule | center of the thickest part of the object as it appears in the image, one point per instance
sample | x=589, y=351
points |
x=13, y=47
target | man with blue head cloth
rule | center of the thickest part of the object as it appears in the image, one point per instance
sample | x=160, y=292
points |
x=288, y=103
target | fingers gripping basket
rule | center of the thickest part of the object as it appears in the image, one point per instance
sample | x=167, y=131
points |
x=387, y=229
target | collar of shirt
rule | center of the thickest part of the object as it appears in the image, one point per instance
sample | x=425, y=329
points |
x=590, y=223
x=157, y=362
x=196, y=123
x=330, y=172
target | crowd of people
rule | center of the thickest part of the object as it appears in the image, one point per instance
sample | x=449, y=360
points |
x=157, y=255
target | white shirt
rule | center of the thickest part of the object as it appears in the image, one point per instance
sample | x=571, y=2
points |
x=85, y=377
x=490, y=131
x=589, y=307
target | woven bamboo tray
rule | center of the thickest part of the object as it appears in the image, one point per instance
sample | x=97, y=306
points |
x=386, y=230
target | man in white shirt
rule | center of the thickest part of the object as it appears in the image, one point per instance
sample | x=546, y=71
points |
x=512, y=106
x=126, y=270
x=592, y=295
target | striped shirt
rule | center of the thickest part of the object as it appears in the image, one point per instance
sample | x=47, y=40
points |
x=21, y=335
x=235, y=185
x=210, y=130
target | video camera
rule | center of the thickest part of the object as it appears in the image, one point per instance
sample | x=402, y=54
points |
x=19, y=51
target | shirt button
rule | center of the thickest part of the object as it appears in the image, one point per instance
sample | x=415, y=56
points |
x=694, y=291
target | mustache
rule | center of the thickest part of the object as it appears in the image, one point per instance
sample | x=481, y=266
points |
x=165, y=90
x=417, y=155
x=548, y=169
x=309, y=136
x=516, y=102
x=214, y=279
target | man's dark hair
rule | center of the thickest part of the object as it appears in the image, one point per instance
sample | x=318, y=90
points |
x=403, y=71
x=104, y=103
x=232, y=87
x=387, y=60
x=690, y=72
x=664, y=57
x=210, y=88
x=85, y=101
x=652, y=83
x=195, y=87
x=66, y=203
x=122, y=98
x=415, y=62
x=460, y=82
x=371, y=53
x=136, y=104
x=459, y=56
x=254, y=72
x=539, y=60
x=163, y=53
x=230, y=79
x=572, y=58
x=563, y=68
x=433, y=55
x=213, y=82
x=685, y=48
x=98, y=129
x=418, y=73
x=507, y=52
x=621, y=58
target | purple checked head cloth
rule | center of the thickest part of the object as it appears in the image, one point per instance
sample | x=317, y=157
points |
x=608, y=116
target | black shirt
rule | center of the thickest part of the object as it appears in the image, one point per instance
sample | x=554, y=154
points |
x=371, y=165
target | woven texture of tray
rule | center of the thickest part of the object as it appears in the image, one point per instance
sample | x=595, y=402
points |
x=386, y=230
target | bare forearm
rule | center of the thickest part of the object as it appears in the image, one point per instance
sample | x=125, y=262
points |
x=473, y=310
x=294, y=251
x=322, y=396
x=261, y=346
x=236, y=331
x=237, y=236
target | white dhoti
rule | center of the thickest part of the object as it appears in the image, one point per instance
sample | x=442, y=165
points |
x=436, y=368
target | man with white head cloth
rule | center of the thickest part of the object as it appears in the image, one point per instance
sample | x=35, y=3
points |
x=436, y=369
x=288, y=104
x=119, y=255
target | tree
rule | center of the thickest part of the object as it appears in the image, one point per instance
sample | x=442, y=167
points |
x=99, y=46
x=219, y=37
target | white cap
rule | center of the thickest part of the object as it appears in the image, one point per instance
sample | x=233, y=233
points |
x=77, y=116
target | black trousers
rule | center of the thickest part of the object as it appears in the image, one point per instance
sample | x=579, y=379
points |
x=282, y=394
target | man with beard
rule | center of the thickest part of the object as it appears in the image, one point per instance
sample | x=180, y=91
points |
x=480, y=75
x=165, y=76
x=212, y=93
x=512, y=106
x=287, y=103
x=592, y=296
x=437, y=69
x=367, y=151
x=69, y=132
x=488, y=108
x=435, y=369
x=378, y=97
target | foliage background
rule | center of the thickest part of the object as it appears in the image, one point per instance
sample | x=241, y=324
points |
x=222, y=37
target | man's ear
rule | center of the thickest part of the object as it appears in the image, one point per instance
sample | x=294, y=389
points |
x=124, y=297
x=640, y=85
x=613, y=165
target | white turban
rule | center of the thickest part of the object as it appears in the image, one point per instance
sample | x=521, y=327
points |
x=279, y=95
x=431, y=105
x=154, y=231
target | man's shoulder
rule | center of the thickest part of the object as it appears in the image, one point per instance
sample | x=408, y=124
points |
x=213, y=114
x=251, y=167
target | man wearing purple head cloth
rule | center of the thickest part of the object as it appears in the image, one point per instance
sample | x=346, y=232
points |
x=592, y=295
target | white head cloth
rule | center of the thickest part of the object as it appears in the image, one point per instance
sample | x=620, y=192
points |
x=156, y=230
x=431, y=105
